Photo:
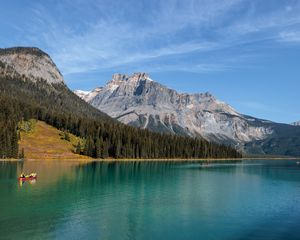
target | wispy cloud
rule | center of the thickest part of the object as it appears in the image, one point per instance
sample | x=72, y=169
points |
x=115, y=35
x=290, y=36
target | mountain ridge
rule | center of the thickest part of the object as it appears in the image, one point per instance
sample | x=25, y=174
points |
x=144, y=97
x=139, y=101
x=31, y=63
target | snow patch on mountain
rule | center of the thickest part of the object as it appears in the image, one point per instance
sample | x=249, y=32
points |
x=88, y=95
x=296, y=123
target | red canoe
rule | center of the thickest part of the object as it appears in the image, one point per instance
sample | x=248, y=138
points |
x=26, y=178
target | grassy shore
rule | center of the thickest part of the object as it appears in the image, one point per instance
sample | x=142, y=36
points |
x=152, y=160
x=42, y=142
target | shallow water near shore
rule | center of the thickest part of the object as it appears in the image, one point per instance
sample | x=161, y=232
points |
x=151, y=200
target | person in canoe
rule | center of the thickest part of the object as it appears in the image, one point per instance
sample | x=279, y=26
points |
x=31, y=175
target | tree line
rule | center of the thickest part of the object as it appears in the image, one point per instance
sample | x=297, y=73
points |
x=22, y=99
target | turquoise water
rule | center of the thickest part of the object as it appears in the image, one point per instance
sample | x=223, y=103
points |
x=247, y=200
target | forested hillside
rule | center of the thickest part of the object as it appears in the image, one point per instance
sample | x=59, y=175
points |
x=55, y=104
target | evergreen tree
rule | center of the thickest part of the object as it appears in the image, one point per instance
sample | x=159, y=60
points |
x=22, y=154
x=67, y=136
x=105, y=153
x=78, y=148
x=99, y=147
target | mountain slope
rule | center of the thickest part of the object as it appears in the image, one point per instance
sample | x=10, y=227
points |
x=46, y=142
x=31, y=63
x=24, y=96
x=139, y=101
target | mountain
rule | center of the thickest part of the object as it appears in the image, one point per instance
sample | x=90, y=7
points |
x=31, y=63
x=87, y=95
x=31, y=87
x=139, y=101
x=296, y=123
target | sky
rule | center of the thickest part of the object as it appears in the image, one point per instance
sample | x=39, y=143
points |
x=245, y=52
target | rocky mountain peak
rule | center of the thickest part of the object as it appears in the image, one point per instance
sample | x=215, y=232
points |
x=119, y=78
x=23, y=50
x=140, y=76
x=31, y=63
x=126, y=81
x=139, y=101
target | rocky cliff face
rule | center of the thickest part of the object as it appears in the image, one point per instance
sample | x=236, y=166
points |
x=139, y=101
x=30, y=63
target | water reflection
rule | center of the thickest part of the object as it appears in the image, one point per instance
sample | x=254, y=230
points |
x=148, y=200
x=8, y=169
x=30, y=181
x=278, y=170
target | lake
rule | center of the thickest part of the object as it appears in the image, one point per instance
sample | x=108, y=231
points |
x=151, y=200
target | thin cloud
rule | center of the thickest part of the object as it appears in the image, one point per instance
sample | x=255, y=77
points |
x=290, y=36
x=168, y=28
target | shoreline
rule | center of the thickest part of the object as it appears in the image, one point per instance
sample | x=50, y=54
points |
x=153, y=159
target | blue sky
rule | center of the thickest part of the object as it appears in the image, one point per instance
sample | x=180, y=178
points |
x=246, y=53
